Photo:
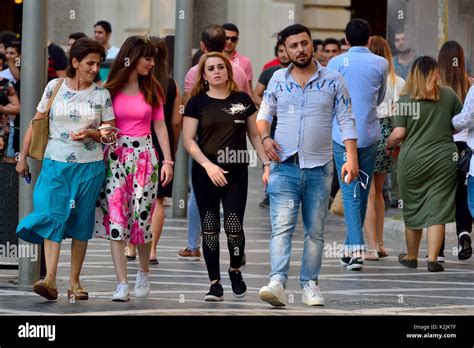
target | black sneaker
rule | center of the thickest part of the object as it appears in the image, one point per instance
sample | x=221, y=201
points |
x=265, y=203
x=465, y=248
x=355, y=264
x=238, y=285
x=345, y=260
x=216, y=293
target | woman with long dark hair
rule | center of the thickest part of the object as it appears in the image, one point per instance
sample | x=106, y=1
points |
x=453, y=74
x=174, y=123
x=129, y=199
x=73, y=168
x=221, y=116
x=426, y=167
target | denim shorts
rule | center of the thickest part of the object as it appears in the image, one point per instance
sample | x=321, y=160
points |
x=64, y=202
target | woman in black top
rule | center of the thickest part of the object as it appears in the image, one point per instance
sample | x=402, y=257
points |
x=221, y=116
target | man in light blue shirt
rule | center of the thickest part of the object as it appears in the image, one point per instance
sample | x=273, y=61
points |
x=365, y=75
x=306, y=98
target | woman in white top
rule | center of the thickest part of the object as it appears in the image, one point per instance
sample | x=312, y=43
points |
x=374, y=219
x=73, y=168
x=453, y=74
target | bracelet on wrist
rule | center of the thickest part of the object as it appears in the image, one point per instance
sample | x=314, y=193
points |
x=168, y=162
x=265, y=164
x=264, y=138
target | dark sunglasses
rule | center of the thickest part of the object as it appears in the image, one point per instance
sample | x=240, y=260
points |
x=232, y=39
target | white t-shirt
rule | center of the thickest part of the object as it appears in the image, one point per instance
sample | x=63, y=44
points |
x=7, y=74
x=112, y=52
x=73, y=111
x=391, y=96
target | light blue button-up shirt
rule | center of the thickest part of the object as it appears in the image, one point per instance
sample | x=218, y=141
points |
x=365, y=74
x=305, y=115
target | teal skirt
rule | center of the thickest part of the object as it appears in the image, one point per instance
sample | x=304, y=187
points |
x=64, y=202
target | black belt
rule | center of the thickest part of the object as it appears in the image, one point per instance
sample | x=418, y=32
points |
x=294, y=159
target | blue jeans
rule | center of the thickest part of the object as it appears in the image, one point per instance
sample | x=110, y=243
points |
x=354, y=195
x=194, y=220
x=289, y=186
x=470, y=194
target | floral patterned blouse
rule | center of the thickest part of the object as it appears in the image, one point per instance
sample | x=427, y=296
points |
x=71, y=112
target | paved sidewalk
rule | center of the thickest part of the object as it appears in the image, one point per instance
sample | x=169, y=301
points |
x=178, y=287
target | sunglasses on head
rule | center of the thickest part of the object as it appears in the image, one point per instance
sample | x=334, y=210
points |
x=232, y=38
x=145, y=39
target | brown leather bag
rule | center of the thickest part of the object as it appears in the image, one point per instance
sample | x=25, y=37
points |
x=40, y=134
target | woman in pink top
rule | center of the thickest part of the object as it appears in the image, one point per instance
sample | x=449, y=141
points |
x=127, y=205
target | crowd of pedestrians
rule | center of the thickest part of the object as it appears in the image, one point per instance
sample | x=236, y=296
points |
x=324, y=115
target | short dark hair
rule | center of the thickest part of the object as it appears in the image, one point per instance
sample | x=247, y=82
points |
x=104, y=24
x=15, y=44
x=317, y=42
x=399, y=30
x=331, y=41
x=358, y=32
x=343, y=41
x=213, y=38
x=278, y=44
x=230, y=27
x=80, y=49
x=77, y=36
x=294, y=29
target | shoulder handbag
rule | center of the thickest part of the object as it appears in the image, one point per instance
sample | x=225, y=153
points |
x=40, y=129
x=465, y=160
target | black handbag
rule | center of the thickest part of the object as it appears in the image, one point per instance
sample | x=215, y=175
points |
x=464, y=161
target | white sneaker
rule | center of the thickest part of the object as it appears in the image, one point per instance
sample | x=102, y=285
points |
x=122, y=294
x=311, y=294
x=142, y=284
x=273, y=293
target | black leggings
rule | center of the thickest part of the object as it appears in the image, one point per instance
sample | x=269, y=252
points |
x=463, y=215
x=234, y=198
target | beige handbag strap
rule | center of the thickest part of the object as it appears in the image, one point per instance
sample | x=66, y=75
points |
x=50, y=101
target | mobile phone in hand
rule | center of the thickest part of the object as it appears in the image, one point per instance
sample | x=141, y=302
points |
x=28, y=178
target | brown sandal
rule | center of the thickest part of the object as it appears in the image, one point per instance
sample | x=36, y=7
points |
x=44, y=288
x=78, y=292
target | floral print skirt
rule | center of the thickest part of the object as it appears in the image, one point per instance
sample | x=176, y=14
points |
x=127, y=200
x=384, y=161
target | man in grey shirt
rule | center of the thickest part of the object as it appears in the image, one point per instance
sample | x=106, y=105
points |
x=305, y=97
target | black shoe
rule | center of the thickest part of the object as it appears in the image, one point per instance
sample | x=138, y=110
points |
x=410, y=263
x=244, y=259
x=465, y=248
x=435, y=266
x=238, y=285
x=345, y=260
x=216, y=293
x=355, y=264
x=265, y=203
